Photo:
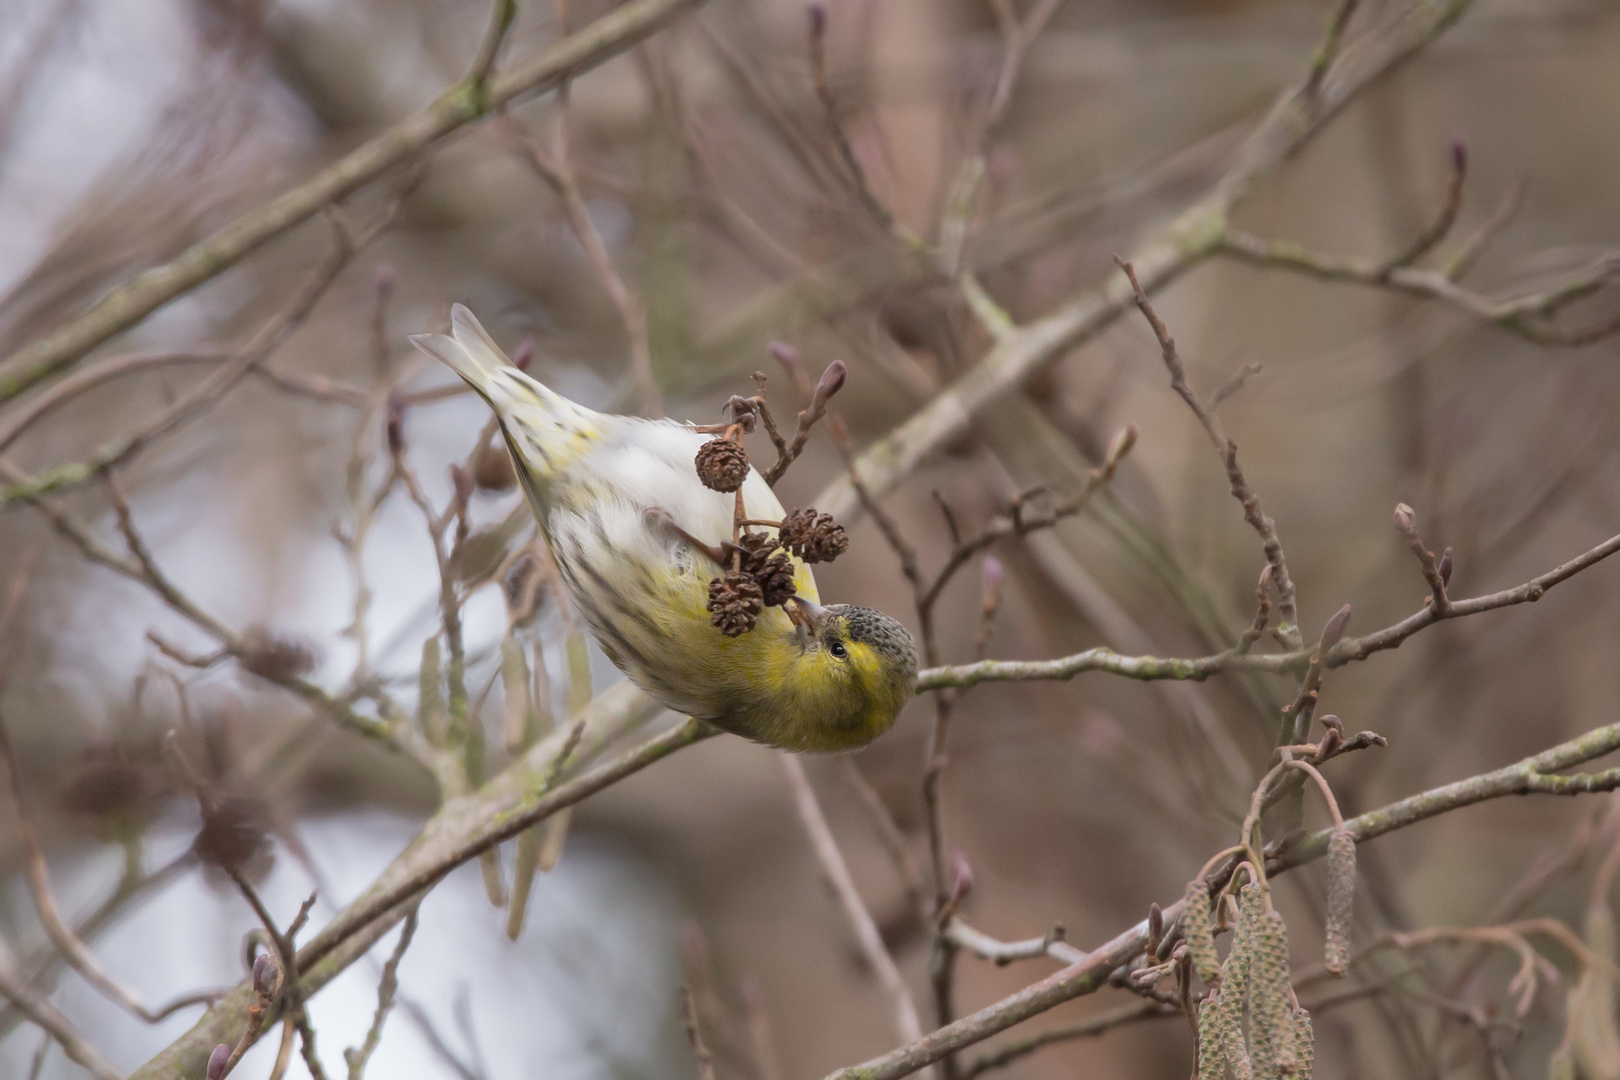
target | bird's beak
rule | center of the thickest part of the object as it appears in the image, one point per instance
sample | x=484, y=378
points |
x=810, y=616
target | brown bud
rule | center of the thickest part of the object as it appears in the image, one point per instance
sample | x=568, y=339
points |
x=1332, y=738
x=266, y=976
x=1445, y=567
x=831, y=381
x=1459, y=154
x=722, y=465
x=961, y=876
x=1405, y=520
x=217, y=1060
x=1335, y=628
x=735, y=601
x=1123, y=441
x=1341, y=896
x=492, y=468
x=1155, y=926
x=818, y=19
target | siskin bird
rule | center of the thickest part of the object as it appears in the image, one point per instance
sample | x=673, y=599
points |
x=628, y=522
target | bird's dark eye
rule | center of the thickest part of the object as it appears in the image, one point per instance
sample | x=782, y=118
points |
x=838, y=650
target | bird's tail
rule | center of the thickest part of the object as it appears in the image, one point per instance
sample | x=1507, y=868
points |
x=543, y=428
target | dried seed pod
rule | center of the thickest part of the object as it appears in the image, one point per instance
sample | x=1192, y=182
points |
x=1341, y=893
x=722, y=465
x=1199, y=930
x=812, y=536
x=274, y=656
x=108, y=787
x=1210, y=1062
x=775, y=579
x=232, y=834
x=492, y=468
x=735, y=601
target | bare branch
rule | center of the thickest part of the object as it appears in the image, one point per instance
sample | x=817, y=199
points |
x=128, y=304
x=849, y=898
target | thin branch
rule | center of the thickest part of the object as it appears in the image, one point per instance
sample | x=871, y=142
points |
x=1227, y=449
x=558, y=172
x=463, y=103
x=1016, y=38
x=1166, y=254
x=855, y=174
x=258, y=348
x=74, y=950
x=694, y=1036
x=1527, y=314
x=1536, y=774
x=37, y=1008
x=1000, y=1058
x=860, y=920
x=387, y=987
x=1150, y=668
x=1005, y=952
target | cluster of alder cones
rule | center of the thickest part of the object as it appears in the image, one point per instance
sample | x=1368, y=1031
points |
x=761, y=572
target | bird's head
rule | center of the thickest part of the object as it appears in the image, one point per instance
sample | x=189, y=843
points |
x=854, y=670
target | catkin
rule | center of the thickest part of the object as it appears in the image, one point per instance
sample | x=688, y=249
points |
x=515, y=683
x=430, y=707
x=1199, y=930
x=1210, y=1061
x=1341, y=896
x=1234, y=981
x=1269, y=1008
x=1304, y=1044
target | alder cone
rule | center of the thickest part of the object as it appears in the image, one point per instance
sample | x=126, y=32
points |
x=722, y=465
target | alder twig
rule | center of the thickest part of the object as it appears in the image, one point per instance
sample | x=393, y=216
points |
x=1539, y=773
x=37, y=1008
x=387, y=987
x=77, y=954
x=1349, y=650
x=345, y=247
x=1137, y=1011
x=463, y=103
x=1527, y=314
x=1227, y=449
x=1191, y=236
x=855, y=174
x=860, y=920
